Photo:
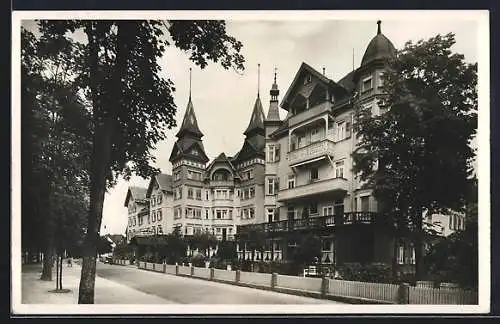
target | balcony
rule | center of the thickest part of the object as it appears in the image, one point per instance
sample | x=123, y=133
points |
x=328, y=186
x=312, y=223
x=311, y=152
x=310, y=113
x=221, y=183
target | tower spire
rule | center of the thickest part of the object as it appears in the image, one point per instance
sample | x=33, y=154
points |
x=258, y=80
x=379, y=30
x=273, y=113
x=190, y=70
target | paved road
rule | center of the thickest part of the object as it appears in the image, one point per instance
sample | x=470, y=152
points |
x=184, y=290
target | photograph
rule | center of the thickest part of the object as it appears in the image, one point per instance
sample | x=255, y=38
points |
x=265, y=162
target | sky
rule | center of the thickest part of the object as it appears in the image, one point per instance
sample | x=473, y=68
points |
x=223, y=99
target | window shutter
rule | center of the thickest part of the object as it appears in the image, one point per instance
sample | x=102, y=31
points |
x=277, y=152
x=348, y=129
x=276, y=185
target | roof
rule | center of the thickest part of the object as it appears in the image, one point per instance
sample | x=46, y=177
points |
x=189, y=122
x=306, y=67
x=348, y=81
x=183, y=145
x=257, y=118
x=380, y=47
x=138, y=194
x=164, y=181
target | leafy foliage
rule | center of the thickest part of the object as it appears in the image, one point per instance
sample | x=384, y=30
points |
x=372, y=272
x=309, y=250
x=131, y=105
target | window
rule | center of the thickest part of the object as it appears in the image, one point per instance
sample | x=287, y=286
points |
x=412, y=255
x=341, y=130
x=365, y=203
x=198, y=213
x=252, y=212
x=198, y=194
x=400, y=256
x=218, y=214
x=290, y=213
x=158, y=199
x=273, y=153
x=206, y=194
x=158, y=215
x=270, y=214
x=245, y=213
x=135, y=221
x=339, y=169
x=381, y=80
x=206, y=213
x=190, y=193
x=248, y=174
x=153, y=216
x=314, y=174
x=218, y=229
x=194, y=175
x=327, y=210
x=270, y=186
x=291, y=181
x=252, y=192
x=367, y=84
x=307, y=79
x=189, y=212
x=327, y=245
x=159, y=229
x=177, y=175
x=153, y=201
x=313, y=209
x=141, y=219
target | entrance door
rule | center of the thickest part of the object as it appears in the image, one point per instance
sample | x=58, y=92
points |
x=338, y=209
x=224, y=234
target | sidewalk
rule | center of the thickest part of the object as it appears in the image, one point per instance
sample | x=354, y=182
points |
x=36, y=291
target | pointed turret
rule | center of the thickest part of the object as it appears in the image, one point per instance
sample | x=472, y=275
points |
x=189, y=144
x=273, y=114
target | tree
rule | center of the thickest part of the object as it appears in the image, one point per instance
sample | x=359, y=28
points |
x=309, y=251
x=54, y=139
x=175, y=247
x=416, y=154
x=255, y=241
x=227, y=251
x=203, y=242
x=131, y=104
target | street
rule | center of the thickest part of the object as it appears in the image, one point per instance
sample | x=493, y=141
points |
x=184, y=290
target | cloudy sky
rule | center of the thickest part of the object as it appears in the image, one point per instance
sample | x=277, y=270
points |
x=223, y=99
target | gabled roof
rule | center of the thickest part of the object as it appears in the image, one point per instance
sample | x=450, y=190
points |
x=189, y=122
x=257, y=118
x=223, y=158
x=164, y=182
x=305, y=67
x=138, y=193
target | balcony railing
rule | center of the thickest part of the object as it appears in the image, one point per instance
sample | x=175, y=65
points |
x=310, y=113
x=312, y=151
x=314, y=188
x=312, y=223
x=221, y=183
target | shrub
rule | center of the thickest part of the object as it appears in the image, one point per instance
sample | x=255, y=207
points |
x=371, y=272
x=198, y=260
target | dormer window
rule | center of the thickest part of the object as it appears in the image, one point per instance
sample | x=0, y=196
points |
x=307, y=79
x=366, y=84
x=194, y=152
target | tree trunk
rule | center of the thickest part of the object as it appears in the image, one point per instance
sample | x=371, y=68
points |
x=48, y=261
x=60, y=272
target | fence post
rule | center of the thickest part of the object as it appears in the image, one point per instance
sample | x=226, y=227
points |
x=192, y=270
x=164, y=268
x=154, y=266
x=274, y=280
x=324, y=286
x=404, y=293
x=212, y=273
x=176, y=269
x=238, y=275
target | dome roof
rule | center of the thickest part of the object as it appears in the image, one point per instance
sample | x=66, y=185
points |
x=380, y=47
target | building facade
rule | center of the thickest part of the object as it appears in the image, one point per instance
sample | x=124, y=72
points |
x=290, y=178
x=309, y=183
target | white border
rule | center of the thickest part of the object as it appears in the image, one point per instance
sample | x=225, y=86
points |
x=481, y=16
